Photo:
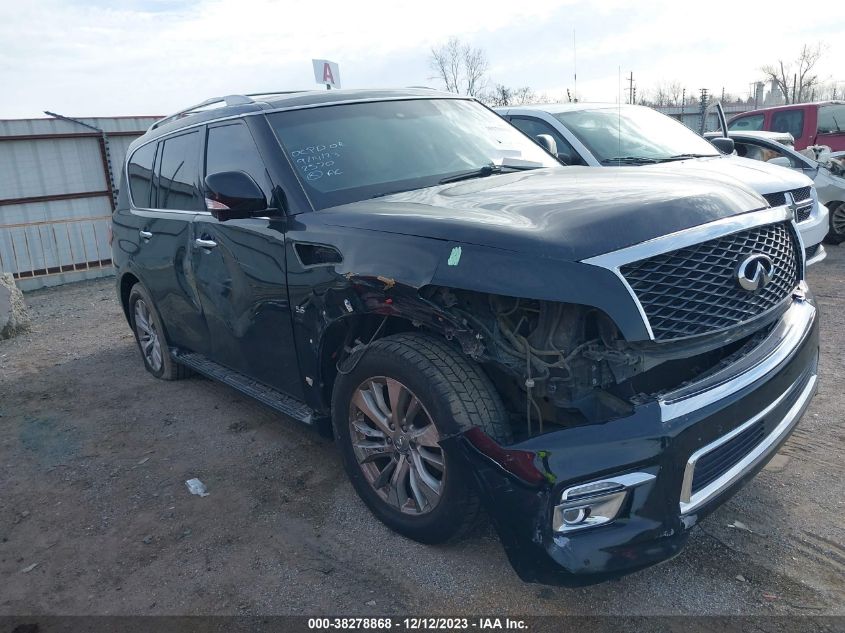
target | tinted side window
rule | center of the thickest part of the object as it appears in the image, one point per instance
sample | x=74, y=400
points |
x=791, y=121
x=532, y=127
x=139, y=172
x=178, y=174
x=754, y=122
x=831, y=119
x=231, y=148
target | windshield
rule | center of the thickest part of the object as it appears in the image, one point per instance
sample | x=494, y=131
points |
x=346, y=153
x=832, y=119
x=632, y=134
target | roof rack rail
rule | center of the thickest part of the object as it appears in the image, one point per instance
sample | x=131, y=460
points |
x=270, y=93
x=228, y=100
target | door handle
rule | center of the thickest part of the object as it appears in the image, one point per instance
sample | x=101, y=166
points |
x=205, y=243
x=145, y=234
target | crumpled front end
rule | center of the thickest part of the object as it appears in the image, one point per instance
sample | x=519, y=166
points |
x=621, y=446
x=601, y=500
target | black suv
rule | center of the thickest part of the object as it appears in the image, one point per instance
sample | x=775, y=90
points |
x=596, y=357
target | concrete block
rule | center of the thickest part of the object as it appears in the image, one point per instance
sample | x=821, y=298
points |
x=14, y=316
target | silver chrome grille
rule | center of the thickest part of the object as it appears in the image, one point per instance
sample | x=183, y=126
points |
x=802, y=197
x=694, y=290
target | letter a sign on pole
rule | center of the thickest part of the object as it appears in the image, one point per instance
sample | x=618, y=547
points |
x=326, y=72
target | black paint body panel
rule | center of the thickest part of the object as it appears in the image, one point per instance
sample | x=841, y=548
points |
x=255, y=306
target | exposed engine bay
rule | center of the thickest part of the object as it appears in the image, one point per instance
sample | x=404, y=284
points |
x=559, y=365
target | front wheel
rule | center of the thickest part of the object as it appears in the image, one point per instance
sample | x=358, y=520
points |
x=837, y=224
x=390, y=412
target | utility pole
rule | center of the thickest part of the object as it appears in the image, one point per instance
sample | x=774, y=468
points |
x=683, y=104
x=574, y=68
x=631, y=88
x=704, y=101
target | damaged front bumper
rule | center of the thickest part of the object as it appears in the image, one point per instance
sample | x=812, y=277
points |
x=614, y=497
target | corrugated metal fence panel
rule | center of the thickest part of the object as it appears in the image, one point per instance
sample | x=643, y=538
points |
x=117, y=148
x=48, y=242
x=56, y=236
x=49, y=167
x=26, y=127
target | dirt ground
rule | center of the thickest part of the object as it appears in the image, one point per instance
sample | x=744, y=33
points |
x=95, y=517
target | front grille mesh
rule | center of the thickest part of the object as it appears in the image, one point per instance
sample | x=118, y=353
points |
x=778, y=199
x=717, y=462
x=803, y=212
x=694, y=290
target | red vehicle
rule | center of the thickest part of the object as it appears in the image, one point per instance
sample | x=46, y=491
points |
x=821, y=123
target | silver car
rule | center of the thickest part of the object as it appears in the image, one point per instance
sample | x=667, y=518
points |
x=609, y=135
x=827, y=175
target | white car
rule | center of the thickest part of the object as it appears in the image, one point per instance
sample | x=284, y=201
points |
x=827, y=173
x=606, y=134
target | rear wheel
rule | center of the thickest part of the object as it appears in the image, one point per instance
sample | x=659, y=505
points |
x=390, y=413
x=149, y=334
x=837, y=223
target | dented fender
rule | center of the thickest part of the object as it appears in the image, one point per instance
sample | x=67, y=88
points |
x=380, y=273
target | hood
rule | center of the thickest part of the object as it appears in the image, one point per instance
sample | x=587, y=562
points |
x=568, y=213
x=760, y=176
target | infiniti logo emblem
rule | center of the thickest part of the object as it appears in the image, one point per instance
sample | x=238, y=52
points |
x=755, y=272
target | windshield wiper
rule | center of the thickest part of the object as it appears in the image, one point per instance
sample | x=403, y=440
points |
x=486, y=170
x=683, y=157
x=628, y=160
x=481, y=172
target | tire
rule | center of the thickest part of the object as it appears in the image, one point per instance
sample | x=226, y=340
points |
x=836, y=235
x=146, y=324
x=430, y=504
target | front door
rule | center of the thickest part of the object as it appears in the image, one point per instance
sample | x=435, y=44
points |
x=240, y=274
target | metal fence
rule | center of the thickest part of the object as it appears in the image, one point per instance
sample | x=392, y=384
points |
x=57, y=192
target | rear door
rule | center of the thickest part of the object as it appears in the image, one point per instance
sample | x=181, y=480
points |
x=163, y=182
x=240, y=273
x=794, y=121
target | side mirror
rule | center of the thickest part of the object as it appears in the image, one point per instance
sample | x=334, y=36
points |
x=782, y=161
x=724, y=144
x=233, y=194
x=547, y=143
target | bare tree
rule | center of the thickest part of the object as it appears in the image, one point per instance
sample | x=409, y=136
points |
x=523, y=95
x=475, y=67
x=796, y=80
x=499, y=95
x=446, y=62
x=459, y=66
x=674, y=92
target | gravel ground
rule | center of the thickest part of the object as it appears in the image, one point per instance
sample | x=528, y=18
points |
x=95, y=517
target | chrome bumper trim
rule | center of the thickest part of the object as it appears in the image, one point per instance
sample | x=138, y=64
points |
x=778, y=346
x=819, y=256
x=690, y=501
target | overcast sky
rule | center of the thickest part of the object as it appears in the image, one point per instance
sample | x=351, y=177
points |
x=132, y=57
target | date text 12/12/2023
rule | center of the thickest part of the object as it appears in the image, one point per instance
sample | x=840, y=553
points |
x=418, y=624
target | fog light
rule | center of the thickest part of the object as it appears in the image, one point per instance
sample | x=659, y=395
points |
x=574, y=516
x=594, y=503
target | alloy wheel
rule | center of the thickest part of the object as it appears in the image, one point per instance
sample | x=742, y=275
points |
x=837, y=220
x=148, y=335
x=396, y=444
